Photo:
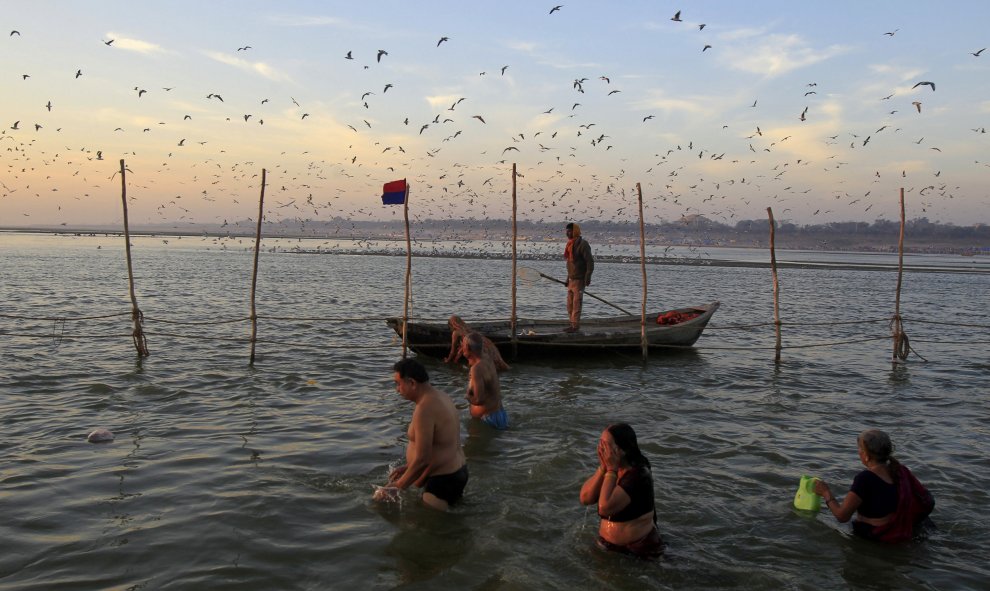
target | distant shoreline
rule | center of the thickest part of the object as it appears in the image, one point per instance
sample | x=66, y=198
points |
x=427, y=233
x=698, y=261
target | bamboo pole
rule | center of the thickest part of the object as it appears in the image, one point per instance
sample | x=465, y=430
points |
x=515, y=234
x=896, y=322
x=137, y=334
x=642, y=265
x=405, y=304
x=776, y=286
x=254, y=273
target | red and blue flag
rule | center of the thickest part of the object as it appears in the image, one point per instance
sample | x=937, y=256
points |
x=394, y=193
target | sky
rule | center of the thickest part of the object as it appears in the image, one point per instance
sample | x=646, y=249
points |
x=813, y=109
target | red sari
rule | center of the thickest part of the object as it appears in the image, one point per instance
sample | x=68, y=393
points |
x=914, y=503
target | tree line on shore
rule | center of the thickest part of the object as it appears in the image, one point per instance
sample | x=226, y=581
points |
x=921, y=235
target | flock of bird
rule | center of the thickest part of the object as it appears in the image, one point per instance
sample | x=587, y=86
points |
x=567, y=166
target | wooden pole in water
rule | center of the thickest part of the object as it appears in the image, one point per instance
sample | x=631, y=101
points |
x=405, y=304
x=254, y=274
x=515, y=234
x=642, y=266
x=137, y=334
x=896, y=323
x=140, y=342
x=776, y=285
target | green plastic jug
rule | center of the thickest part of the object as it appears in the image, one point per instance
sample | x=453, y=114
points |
x=805, y=499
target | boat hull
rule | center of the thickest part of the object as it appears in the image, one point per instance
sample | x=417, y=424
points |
x=534, y=338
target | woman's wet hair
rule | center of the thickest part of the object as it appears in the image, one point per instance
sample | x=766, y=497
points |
x=625, y=437
x=879, y=448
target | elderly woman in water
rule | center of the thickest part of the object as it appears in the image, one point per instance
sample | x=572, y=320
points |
x=622, y=487
x=460, y=329
x=887, y=499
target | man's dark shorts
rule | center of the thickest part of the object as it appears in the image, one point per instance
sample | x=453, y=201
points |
x=448, y=487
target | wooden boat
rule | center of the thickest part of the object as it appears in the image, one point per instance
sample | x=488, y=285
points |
x=541, y=337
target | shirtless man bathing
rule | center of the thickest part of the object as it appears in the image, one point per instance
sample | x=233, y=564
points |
x=434, y=458
x=483, y=391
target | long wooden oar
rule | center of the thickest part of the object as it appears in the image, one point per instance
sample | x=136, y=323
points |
x=524, y=271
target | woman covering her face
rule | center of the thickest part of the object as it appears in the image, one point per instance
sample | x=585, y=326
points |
x=622, y=487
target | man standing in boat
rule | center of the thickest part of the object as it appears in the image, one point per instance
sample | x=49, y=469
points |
x=434, y=457
x=580, y=265
x=483, y=391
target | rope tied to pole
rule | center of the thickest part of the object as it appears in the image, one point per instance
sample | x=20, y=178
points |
x=137, y=335
x=902, y=344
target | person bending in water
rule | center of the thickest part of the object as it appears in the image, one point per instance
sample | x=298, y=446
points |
x=888, y=500
x=460, y=329
x=483, y=391
x=622, y=487
x=434, y=458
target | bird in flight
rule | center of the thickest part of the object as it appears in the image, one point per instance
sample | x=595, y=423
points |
x=917, y=105
x=552, y=10
x=245, y=48
x=891, y=33
x=705, y=48
x=442, y=39
x=478, y=117
x=977, y=54
x=932, y=84
x=348, y=56
x=78, y=73
x=647, y=117
x=803, y=113
x=381, y=52
x=109, y=43
x=677, y=17
x=12, y=33
x=504, y=68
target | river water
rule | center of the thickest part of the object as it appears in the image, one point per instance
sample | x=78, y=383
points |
x=226, y=476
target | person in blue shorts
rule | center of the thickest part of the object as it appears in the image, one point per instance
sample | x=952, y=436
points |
x=483, y=391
